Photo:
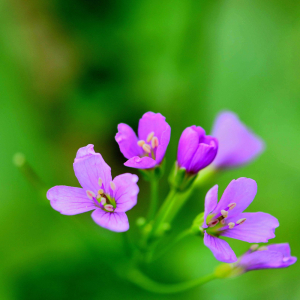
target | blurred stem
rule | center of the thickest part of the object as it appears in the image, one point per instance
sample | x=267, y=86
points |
x=176, y=199
x=25, y=168
x=170, y=245
x=126, y=244
x=162, y=213
x=138, y=278
x=154, y=197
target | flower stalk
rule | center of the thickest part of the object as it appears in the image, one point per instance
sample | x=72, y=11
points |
x=138, y=278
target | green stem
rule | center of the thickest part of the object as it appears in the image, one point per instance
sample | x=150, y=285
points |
x=162, y=213
x=138, y=278
x=154, y=198
x=170, y=245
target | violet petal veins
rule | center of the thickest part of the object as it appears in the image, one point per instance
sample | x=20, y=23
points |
x=149, y=148
x=226, y=218
x=109, y=199
x=195, y=149
x=238, y=145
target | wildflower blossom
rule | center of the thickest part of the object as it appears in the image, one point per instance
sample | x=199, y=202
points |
x=148, y=149
x=226, y=218
x=238, y=145
x=109, y=199
x=266, y=257
x=195, y=149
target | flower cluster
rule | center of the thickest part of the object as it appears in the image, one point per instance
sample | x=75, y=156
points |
x=231, y=145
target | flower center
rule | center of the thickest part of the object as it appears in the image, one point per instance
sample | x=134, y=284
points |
x=149, y=146
x=217, y=222
x=102, y=199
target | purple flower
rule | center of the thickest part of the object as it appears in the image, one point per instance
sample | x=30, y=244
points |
x=238, y=145
x=195, y=149
x=149, y=148
x=226, y=218
x=266, y=257
x=109, y=199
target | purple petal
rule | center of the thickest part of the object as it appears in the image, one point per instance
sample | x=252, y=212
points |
x=238, y=145
x=113, y=221
x=211, y=200
x=152, y=122
x=262, y=260
x=203, y=156
x=140, y=162
x=163, y=144
x=241, y=191
x=69, y=200
x=127, y=140
x=220, y=248
x=259, y=227
x=88, y=170
x=187, y=146
x=126, y=191
x=284, y=248
x=84, y=152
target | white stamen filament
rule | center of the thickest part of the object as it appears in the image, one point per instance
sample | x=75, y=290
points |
x=150, y=136
x=232, y=205
x=103, y=201
x=100, y=182
x=147, y=148
x=109, y=207
x=241, y=221
x=231, y=225
x=112, y=185
x=224, y=213
x=154, y=142
x=141, y=143
x=90, y=194
x=98, y=196
x=254, y=247
x=263, y=248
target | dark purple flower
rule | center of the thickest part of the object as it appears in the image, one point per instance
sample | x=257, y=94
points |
x=195, y=149
x=149, y=148
x=226, y=218
x=109, y=199
x=238, y=145
x=266, y=257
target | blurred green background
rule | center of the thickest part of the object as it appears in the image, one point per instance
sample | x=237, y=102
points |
x=70, y=71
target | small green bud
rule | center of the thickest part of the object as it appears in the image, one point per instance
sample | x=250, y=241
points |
x=19, y=160
x=141, y=221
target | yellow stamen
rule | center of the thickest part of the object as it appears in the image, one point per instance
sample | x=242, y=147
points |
x=224, y=213
x=141, y=143
x=147, y=148
x=100, y=182
x=154, y=142
x=112, y=185
x=241, y=221
x=231, y=225
x=254, y=247
x=90, y=194
x=150, y=136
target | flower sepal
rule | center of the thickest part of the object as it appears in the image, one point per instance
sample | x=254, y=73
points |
x=197, y=224
x=227, y=271
x=153, y=173
x=179, y=179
